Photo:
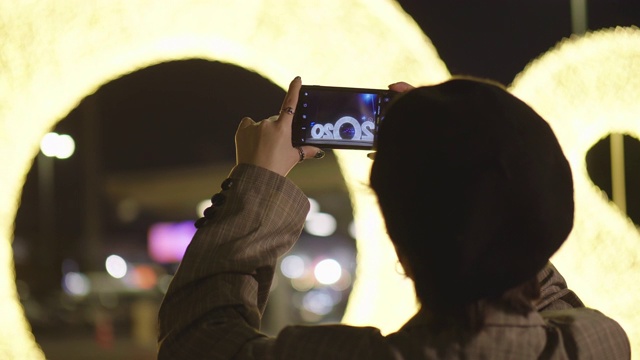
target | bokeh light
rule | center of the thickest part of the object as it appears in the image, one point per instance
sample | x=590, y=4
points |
x=353, y=232
x=321, y=224
x=74, y=283
x=57, y=145
x=328, y=271
x=292, y=266
x=143, y=277
x=66, y=146
x=202, y=206
x=304, y=283
x=318, y=302
x=344, y=283
x=314, y=207
x=116, y=266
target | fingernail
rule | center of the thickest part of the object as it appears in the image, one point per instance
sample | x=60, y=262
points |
x=319, y=155
x=297, y=78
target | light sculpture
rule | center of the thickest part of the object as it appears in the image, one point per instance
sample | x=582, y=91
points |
x=588, y=87
x=54, y=53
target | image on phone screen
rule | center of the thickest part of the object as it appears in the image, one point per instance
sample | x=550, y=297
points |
x=343, y=118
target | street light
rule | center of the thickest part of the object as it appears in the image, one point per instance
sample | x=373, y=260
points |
x=57, y=145
x=61, y=147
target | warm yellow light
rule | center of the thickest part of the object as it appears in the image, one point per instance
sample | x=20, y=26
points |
x=381, y=296
x=55, y=52
x=587, y=88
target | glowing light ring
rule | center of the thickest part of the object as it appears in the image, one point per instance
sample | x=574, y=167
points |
x=88, y=44
x=587, y=88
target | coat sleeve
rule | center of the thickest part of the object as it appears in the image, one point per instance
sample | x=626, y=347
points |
x=214, y=304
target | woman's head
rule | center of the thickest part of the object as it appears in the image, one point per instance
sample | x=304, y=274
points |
x=474, y=188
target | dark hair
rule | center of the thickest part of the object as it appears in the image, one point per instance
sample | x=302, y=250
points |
x=475, y=191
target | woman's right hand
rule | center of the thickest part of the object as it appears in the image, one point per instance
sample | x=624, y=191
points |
x=267, y=143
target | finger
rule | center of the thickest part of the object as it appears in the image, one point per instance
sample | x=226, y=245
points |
x=290, y=101
x=312, y=152
x=401, y=87
x=246, y=122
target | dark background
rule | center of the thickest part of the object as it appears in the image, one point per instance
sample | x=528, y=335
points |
x=183, y=114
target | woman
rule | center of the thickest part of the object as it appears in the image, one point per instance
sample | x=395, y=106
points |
x=475, y=206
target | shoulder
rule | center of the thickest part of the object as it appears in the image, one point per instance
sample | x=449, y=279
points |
x=331, y=342
x=589, y=332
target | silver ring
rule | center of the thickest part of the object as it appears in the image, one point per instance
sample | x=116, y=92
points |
x=301, y=153
x=288, y=110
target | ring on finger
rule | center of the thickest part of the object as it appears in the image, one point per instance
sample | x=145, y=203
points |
x=301, y=153
x=288, y=110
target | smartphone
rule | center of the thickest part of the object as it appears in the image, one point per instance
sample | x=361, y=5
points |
x=339, y=118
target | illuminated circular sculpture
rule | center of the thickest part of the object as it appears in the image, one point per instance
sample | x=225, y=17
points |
x=56, y=52
x=587, y=88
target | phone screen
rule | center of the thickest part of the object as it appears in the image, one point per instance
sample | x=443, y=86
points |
x=341, y=118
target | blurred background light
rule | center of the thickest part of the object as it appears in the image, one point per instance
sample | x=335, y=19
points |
x=116, y=266
x=352, y=230
x=49, y=144
x=303, y=283
x=143, y=277
x=57, y=145
x=328, y=271
x=314, y=208
x=167, y=241
x=66, y=146
x=318, y=302
x=321, y=224
x=343, y=283
x=292, y=266
x=77, y=284
x=202, y=205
